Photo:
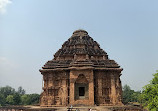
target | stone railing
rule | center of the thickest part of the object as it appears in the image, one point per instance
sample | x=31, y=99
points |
x=126, y=108
x=25, y=108
x=13, y=108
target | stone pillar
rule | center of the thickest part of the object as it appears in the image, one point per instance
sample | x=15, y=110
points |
x=91, y=89
x=72, y=88
x=72, y=91
x=113, y=89
x=99, y=88
x=64, y=92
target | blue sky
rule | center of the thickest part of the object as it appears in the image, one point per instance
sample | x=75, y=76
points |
x=31, y=31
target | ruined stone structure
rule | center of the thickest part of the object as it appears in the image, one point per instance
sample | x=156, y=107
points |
x=81, y=73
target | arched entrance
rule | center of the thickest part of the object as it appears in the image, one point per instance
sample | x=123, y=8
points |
x=81, y=88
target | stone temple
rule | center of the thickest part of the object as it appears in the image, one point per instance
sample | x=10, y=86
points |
x=81, y=74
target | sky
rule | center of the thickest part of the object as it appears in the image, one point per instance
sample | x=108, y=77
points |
x=31, y=31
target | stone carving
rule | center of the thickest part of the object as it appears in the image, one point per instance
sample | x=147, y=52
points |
x=81, y=73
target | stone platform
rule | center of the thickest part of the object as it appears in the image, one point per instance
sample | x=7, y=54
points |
x=81, y=108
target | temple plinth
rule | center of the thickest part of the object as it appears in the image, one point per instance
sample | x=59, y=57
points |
x=81, y=73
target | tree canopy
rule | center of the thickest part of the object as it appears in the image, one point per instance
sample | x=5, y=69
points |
x=149, y=96
x=130, y=95
x=8, y=96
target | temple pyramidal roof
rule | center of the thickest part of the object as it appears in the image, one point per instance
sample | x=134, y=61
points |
x=80, y=50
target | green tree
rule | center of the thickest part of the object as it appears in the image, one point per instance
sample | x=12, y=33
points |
x=149, y=96
x=34, y=98
x=130, y=95
x=9, y=96
x=21, y=91
x=16, y=99
x=127, y=93
x=2, y=100
x=7, y=91
x=10, y=99
x=25, y=99
x=30, y=99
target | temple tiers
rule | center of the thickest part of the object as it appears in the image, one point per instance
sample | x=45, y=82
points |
x=81, y=73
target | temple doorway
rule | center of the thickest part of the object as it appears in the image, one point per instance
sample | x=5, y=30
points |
x=81, y=88
x=81, y=91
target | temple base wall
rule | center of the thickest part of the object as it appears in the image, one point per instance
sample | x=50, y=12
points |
x=81, y=86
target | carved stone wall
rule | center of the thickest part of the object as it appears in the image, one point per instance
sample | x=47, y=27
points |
x=56, y=85
x=102, y=87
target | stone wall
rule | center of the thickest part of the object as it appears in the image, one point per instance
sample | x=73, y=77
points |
x=56, y=86
x=108, y=89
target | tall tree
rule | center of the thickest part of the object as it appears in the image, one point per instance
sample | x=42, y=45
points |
x=150, y=94
x=130, y=95
x=21, y=91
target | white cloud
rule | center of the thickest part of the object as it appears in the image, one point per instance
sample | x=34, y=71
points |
x=3, y=5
